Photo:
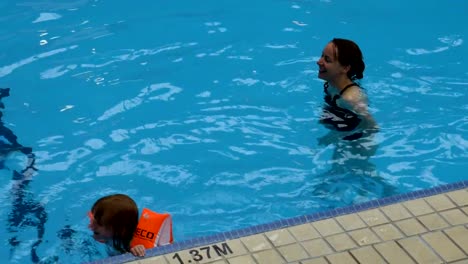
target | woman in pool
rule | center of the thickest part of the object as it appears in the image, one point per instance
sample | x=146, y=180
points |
x=351, y=126
x=345, y=110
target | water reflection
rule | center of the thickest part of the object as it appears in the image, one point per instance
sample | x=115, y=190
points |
x=353, y=177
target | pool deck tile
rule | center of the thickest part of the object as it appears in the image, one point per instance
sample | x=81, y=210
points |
x=411, y=227
x=341, y=242
x=256, y=243
x=433, y=222
x=418, y=207
x=246, y=259
x=426, y=226
x=455, y=217
x=393, y=253
x=269, y=256
x=459, y=235
x=367, y=255
x=350, y=222
x=317, y=247
x=396, y=212
x=387, y=232
x=340, y=258
x=364, y=237
x=442, y=245
x=304, y=232
x=440, y=202
x=293, y=252
x=373, y=217
x=315, y=261
x=419, y=250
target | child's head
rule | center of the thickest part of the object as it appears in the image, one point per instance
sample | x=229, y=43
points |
x=114, y=218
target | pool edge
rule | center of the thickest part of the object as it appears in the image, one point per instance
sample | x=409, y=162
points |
x=285, y=223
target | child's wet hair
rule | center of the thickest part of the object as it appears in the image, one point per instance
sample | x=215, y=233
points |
x=119, y=214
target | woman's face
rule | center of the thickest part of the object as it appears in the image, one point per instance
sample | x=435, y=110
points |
x=329, y=67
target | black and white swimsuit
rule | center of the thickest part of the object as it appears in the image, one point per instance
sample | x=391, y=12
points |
x=338, y=118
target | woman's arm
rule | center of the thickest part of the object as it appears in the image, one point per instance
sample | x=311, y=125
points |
x=356, y=101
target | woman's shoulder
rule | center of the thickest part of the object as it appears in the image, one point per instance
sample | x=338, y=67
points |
x=354, y=94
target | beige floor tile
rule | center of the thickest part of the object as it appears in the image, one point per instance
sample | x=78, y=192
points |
x=433, y=221
x=256, y=243
x=280, y=237
x=268, y=256
x=367, y=255
x=235, y=247
x=341, y=258
x=418, y=207
x=317, y=247
x=387, y=232
x=419, y=251
x=304, y=232
x=465, y=261
x=153, y=260
x=459, y=197
x=246, y=259
x=327, y=227
x=443, y=246
x=177, y=257
x=341, y=242
x=459, y=234
x=440, y=202
x=210, y=253
x=350, y=222
x=315, y=261
x=393, y=253
x=396, y=212
x=455, y=217
x=410, y=227
x=364, y=237
x=373, y=217
x=465, y=209
x=293, y=252
x=222, y=261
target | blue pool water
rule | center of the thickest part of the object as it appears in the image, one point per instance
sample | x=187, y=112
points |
x=208, y=110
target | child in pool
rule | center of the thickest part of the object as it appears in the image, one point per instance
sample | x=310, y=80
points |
x=113, y=220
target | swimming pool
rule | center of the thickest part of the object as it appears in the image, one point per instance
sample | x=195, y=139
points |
x=208, y=110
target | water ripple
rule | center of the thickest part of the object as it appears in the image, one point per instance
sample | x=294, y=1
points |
x=5, y=70
x=453, y=41
x=172, y=175
x=142, y=97
x=47, y=17
x=260, y=178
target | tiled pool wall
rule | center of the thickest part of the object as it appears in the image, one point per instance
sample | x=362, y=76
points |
x=284, y=223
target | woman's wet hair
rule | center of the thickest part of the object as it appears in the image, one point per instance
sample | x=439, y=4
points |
x=348, y=53
x=119, y=214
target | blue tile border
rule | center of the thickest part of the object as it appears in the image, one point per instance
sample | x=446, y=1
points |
x=211, y=239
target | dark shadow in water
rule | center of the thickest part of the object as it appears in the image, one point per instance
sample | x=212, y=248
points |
x=77, y=246
x=26, y=210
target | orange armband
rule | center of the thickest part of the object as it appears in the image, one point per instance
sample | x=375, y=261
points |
x=153, y=230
